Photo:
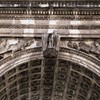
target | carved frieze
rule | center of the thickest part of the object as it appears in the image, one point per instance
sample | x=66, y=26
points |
x=10, y=46
x=91, y=47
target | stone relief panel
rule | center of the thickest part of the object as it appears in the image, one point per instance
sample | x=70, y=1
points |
x=89, y=46
x=10, y=45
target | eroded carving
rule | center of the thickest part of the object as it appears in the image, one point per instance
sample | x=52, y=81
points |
x=10, y=46
x=91, y=47
x=52, y=40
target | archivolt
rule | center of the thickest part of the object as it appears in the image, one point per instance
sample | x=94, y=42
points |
x=66, y=54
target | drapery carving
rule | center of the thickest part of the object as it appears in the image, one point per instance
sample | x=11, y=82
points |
x=52, y=40
x=9, y=46
x=91, y=46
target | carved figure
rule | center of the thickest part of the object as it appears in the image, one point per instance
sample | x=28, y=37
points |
x=52, y=40
x=14, y=46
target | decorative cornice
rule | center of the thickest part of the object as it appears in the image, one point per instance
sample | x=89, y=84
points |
x=19, y=26
x=45, y=11
x=51, y=17
x=62, y=35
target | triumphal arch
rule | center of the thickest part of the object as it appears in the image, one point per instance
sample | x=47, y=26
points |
x=49, y=49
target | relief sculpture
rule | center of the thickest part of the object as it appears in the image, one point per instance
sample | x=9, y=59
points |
x=92, y=48
x=52, y=40
x=10, y=46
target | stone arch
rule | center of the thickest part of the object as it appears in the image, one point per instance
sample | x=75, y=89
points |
x=65, y=58
x=78, y=57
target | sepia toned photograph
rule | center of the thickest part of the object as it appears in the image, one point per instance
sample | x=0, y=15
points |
x=49, y=49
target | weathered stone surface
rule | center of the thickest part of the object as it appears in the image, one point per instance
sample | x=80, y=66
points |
x=36, y=64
